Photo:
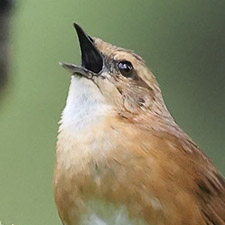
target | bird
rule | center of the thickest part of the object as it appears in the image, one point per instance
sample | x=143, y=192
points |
x=121, y=159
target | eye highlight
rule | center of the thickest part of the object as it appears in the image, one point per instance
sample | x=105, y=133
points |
x=125, y=68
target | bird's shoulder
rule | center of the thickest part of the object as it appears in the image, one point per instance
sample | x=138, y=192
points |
x=185, y=165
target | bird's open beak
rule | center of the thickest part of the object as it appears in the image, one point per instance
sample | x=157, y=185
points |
x=92, y=60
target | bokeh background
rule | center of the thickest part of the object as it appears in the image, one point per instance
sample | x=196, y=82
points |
x=183, y=42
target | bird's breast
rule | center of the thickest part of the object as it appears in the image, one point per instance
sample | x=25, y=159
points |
x=90, y=178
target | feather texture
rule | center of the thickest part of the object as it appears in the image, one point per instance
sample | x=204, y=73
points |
x=121, y=155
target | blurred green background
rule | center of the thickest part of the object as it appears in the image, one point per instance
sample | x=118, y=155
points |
x=182, y=42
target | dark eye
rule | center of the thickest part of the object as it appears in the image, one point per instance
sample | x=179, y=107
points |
x=125, y=68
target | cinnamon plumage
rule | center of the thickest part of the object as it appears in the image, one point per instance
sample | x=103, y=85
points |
x=121, y=158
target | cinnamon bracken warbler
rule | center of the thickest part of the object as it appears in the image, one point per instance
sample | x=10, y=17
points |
x=121, y=158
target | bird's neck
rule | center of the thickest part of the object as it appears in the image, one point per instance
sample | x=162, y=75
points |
x=85, y=107
x=86, y=125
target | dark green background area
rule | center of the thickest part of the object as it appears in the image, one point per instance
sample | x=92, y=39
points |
x=183, y=42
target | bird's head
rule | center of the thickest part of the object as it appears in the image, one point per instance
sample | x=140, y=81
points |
x=122, y=79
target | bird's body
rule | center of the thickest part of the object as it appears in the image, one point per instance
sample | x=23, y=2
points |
x=122, y=160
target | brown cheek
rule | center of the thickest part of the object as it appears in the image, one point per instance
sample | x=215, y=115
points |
x=130, y=104
x=110, y=92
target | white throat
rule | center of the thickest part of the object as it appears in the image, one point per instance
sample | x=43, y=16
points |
x=85, y=106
